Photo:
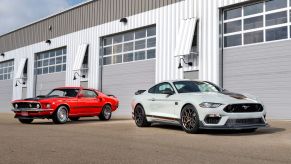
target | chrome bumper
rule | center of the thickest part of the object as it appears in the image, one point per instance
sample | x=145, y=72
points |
x=31, y=110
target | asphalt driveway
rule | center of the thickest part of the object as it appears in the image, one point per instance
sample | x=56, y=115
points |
x=120, y=141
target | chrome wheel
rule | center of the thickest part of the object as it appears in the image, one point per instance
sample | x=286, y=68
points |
x=62, y=114
x=189, y=118
x=107, y=112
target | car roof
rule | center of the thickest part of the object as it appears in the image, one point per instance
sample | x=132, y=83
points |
x=75, y=88
x=171, y=81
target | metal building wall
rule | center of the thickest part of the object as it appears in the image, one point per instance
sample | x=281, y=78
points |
x=87, y=15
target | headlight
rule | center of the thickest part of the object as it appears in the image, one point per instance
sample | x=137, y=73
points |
x=15, y=106
x=37, y=105
x=209, y=105
x=48, y=106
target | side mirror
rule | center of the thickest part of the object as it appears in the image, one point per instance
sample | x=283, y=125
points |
x=168, y=92
x=80, y=95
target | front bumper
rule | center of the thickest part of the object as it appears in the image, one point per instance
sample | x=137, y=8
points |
x=234, y=127
x=32, y=113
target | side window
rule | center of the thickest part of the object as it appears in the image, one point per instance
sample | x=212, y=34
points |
x=89, y=93
x=163, y=87
x=152, y=90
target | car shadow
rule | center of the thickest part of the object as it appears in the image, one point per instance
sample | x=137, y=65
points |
x=81, y=121
x=260, y=131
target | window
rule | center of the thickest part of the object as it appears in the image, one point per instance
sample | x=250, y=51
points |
x=275, y=4
x=6, y=70
x=276, y=33
x=88, y=93
x=253, y=9
x=232, y=26
x=254, y=37
x=254, y=22
x=276, y=18
x=163, y=87
x=130, y=46
x=234, y=40
x=262, y=21
x=63, y=93
x=51, y=61
x=233, y=13
x=195, y=86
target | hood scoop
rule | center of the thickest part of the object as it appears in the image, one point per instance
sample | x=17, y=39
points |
x=234, y=95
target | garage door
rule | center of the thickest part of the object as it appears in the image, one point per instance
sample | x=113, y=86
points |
x=6, y=90
x=124, y=80
x=262, y=70
x=50, y=69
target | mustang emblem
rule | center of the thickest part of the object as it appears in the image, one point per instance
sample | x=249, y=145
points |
x=245, y=107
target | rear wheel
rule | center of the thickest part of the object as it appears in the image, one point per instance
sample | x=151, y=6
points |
x=106, y=113
x=190, y=119
x=61, y=115
x=140, y=117
x=25, y=121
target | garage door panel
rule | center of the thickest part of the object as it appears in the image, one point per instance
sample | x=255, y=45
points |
x=262, y=70
x=6, y=90
x=45, y=83
x=123, y=80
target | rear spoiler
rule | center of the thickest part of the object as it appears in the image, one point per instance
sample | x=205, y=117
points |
x=139, y=92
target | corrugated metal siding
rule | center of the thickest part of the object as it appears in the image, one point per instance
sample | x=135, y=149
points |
x=6, y=86
x=85, y=16
x=262, y=70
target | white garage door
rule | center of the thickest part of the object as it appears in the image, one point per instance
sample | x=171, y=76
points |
x=262, y=70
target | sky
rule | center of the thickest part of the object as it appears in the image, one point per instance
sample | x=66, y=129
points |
x=17, y=13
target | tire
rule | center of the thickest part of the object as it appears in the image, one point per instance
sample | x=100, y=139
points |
x=61, y=115
x=190, y=119
x=74, y=118
x=25, y=121
x=140, y=117
x=106, y=113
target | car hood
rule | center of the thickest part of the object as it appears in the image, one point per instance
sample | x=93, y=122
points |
x=225, y=97
x=42, y=99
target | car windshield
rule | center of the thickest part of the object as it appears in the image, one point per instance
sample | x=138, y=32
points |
x=63, y=93
x=195, y=86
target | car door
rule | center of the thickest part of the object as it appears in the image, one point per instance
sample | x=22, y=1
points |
x=163, y=105
x=89, y=102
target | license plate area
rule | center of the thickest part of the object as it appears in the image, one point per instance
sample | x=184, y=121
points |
x=24, y=113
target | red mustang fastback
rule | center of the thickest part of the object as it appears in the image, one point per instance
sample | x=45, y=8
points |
x=66, y=103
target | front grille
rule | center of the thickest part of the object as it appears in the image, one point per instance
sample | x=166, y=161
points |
x=243, y=108
x=25, y=105
x=241, y=122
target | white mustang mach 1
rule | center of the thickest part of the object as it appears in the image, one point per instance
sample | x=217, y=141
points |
x=197, y=105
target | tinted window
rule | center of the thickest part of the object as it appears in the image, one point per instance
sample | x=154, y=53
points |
x=233, y=40
x=233, y=13
x=253, y=37
x=276, y=18
x=88, y=93
x=232, y=26
x=63, y=93
x=276, y=33
x=254, y=22
x=163, y=87
x=152, y=90
x=253, y=9
x=194, y=86
x=275, y=4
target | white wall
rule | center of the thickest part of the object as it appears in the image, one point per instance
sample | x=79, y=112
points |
x=167, y=20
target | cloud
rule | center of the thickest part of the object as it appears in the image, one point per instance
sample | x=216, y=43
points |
x=17, y=13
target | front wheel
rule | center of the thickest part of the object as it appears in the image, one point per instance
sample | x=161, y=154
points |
x=140, y=117
x=61, y=115
x=25, y=121
x=106, y=113
x=190, y=119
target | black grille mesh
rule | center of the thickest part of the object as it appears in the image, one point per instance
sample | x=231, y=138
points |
x=250, y=121
x=25, y=105
x=243, y=108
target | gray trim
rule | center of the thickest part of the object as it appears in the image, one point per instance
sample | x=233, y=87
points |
x=75, y=19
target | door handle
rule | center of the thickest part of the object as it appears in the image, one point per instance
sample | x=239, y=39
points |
x=153, y=99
